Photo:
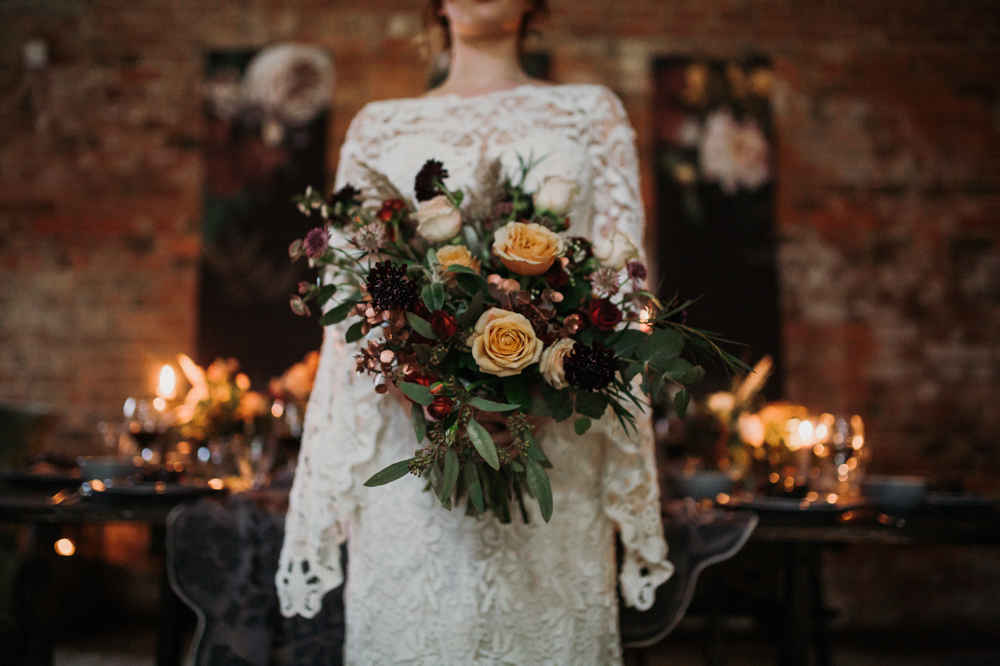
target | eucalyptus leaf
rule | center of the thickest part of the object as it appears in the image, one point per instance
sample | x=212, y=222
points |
x=483, y=441
x=450, y=475
x=473, y=486
x=338, y=313
x=470, y=282
x=660, y=346
x=490, y=406
x=394, y=471
x=475, y=309
x=632, y=369
x=427, y=296
x=681, y=403
x=325, y=293
x=581, y=425
x=676, y=369
x=421, y=325
x=516, y=390
x=355, y=332
x=534, y=448
x=418, y=421
x=623, y=342
x=541, y=488
x=560, y=402
x=437, y=296
x=693, y=376
x=417, y=393
x=423, y=352
x=591, y=404
x=455, y=268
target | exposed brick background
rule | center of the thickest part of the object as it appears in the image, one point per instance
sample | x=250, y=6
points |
x=888, y=124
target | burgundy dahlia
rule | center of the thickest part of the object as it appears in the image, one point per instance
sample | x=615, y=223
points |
x=604, y=314
x=430, y=175
x=389, y=288
x=590, y=368
x=316, y=243
x=347, y=195
x=440, y=408
x=443, y=324
x=636, y=273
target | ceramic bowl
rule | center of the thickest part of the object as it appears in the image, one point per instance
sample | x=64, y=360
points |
x=702, y=485
x=895, y=495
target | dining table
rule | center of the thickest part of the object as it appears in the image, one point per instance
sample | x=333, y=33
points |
x=44, y=503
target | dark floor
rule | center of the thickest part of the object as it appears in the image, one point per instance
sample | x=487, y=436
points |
x=687, y=647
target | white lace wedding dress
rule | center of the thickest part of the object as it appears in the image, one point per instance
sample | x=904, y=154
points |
x=429, y=586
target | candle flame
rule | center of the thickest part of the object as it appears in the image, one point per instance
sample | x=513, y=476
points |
x=167, y=388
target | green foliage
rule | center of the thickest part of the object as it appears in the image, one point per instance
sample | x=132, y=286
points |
x=418, y=421
x=591, y=404
x=538, y=482
x=396, y=470
x=449, y=477
x=681, y=403
x=472, y=313
x=421, y=326
x=338, y=313
x=516, y=390
x=582, y=425
x=489, y=405
x=483, y=442
x=417, y=393
x=355, y=332
x=470, y=476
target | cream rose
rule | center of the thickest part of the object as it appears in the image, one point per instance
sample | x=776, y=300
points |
x=551, y=363
x=504, y=343
x=556, y=195
x=438, y=220
x=616, y=251
x=527, y=249
x=456, y=255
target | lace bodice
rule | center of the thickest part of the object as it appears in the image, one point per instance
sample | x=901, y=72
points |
x=430, y=584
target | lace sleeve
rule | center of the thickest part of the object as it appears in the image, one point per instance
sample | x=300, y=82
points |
x=342, y=424
x=631, y=494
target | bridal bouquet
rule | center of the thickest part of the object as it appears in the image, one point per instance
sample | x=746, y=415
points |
x=473, y=302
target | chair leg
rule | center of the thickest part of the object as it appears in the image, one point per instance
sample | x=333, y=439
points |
x=822, y=629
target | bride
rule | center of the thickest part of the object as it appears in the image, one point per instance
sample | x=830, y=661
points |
x=429, y=586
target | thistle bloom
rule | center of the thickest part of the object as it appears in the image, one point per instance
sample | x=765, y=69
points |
x=590, y=368
x=637, y=273
x=370, y=237
x=316, y=242
x=388, y=287
x=605, y=281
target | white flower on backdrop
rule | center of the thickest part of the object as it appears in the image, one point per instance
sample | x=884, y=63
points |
x=734, y=153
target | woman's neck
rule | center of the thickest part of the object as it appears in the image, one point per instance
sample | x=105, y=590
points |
x=482, y=65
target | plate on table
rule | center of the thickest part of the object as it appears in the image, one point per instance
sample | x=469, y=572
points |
x=168, y=493
x=960, y=504
x=39, y=479
x=789, y=510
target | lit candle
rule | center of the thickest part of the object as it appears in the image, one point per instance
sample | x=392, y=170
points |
x=167, y=387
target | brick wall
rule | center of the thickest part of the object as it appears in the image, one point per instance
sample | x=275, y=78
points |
x=888, y=123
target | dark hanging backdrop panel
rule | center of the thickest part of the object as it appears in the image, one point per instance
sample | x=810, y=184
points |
x=715, y=202
x=256, y=159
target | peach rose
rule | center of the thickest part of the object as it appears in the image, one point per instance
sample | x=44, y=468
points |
x=456, y=255
x=438, y=220
x=504, y=343
x=551, y=364
x=527, y=249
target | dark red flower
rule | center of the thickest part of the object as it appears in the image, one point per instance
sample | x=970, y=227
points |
x=604, y=314
x=440, y=408
x=394, y=204
x=556, y=276
x=347, y=195
x=389, y=288
x=430, y=176
x=443, y=324
x=418, y=377
x=590, y=368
